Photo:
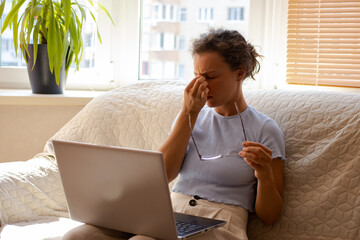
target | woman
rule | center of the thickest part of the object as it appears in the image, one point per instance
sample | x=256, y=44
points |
x=196, y=149
x=228, y=156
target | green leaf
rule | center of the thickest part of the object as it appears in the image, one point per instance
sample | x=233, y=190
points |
x=83, y=13
x=97, y=28
x=24, y=52
x=36, y=11
x=30, y=25
x=2, y=6
x=35, y=40
x=23, y=41
x=69, y=59
x=51, y=39
x=74, y=37
x=104, y=10
x=13, y=12
x=67, y=13
x=15, y=26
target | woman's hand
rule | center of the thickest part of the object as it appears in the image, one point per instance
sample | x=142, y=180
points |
x=259, y=158
x=195, y=95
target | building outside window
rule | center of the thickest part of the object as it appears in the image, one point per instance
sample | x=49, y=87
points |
x=170, y=57
x=236, y=14
x=163, y=12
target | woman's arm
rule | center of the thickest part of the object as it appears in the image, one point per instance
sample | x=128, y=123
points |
x=269, y=202
x=174, y=147
x=269, y=173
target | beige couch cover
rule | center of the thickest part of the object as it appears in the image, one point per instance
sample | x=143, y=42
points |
x=321, y=182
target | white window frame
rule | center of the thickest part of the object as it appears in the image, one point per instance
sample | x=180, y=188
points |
x=110, y=67
x=121, y=54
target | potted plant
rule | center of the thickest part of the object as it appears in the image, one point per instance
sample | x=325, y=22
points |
x=48, y=33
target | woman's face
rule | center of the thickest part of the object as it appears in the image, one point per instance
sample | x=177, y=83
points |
x=224, y=83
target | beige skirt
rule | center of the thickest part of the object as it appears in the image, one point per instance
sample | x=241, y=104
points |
x=235, y=216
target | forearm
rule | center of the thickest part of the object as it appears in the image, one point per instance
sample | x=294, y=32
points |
x=269, y=201
x=174, y=148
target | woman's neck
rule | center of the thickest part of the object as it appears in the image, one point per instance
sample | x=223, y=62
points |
x=229, y=109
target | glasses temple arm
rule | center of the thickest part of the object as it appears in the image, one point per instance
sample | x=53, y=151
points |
x=242, y=123
x=192, y=136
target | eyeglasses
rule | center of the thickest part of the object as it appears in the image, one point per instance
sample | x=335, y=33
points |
x=214, y=157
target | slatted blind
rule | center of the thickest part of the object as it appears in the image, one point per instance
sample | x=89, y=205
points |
x=323, y=42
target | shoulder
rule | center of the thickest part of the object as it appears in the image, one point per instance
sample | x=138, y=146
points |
x=205, y=113
x=270, y=134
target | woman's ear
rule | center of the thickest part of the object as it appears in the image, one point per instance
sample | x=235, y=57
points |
x=241, y=72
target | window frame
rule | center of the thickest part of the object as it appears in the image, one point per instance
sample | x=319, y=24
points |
x=122, y=70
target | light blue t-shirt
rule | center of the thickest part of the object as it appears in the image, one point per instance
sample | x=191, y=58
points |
x=227, y=180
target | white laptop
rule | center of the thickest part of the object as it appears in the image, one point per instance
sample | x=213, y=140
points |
x=122, y=189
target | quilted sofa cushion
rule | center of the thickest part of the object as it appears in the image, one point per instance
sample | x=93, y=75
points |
x=322, y=136
x=321, y=175
x=138, y=116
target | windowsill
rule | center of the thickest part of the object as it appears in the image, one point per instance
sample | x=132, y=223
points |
x=26, y=97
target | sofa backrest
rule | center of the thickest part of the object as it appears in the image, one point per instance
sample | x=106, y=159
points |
x=322, y=137
x=321, y=175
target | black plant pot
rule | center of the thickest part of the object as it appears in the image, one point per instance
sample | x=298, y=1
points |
x=41, y=79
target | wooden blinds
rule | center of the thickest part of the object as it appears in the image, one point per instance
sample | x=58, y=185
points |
x=323, y=42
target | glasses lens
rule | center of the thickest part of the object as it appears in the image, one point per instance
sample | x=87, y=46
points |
x=209, y=158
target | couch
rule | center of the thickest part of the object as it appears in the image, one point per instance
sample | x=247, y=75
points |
x=321, y=174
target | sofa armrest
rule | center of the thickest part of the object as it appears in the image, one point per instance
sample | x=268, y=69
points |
x=31, y=189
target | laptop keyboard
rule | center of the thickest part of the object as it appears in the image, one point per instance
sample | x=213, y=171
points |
x=184, y=227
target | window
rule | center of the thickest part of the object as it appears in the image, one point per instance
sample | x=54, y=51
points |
x=205, y=14
x=236, y=14
x=171, y=40
x=181, y=71
x=156, y=11
x=156, y=49
x=163, y=12
x=90, y=70
x=182, y=43
x=183, y=14
x=323, y=43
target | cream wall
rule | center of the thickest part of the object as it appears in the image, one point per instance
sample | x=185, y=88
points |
x=27, y=121
x=25, y=129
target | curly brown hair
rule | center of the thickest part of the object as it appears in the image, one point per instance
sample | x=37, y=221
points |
x=232, y=46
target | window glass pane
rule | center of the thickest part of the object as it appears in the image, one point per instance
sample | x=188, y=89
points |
x=8, y=57
x=165, y=46
x=7, y=50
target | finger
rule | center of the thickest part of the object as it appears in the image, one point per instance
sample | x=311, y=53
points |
x=258, y=151
x=191, y=84
x=195, y=88
x=202, y=88
x=205, y=93
x=249, y=156
x=255, y=144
